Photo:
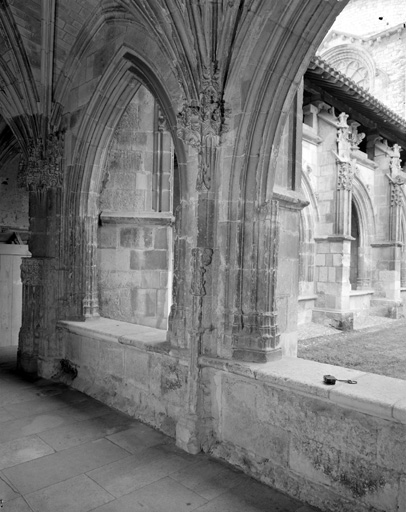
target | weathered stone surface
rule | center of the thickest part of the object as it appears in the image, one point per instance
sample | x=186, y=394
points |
x=176, y=108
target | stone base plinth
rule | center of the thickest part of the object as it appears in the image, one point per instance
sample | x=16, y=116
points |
x=388, y=308
x=341, y=320
x=187, y=436
x=27, y=363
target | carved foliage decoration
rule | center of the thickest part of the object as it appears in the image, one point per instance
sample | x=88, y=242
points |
x=396, y=176
x=346, y=173
x=32, y=271
x=43, y=168
x=343, y=141
x=201, y=123
x=394, y=164
x=348, y=140
x=354, y=137
x=201, y=259
x=397, y=183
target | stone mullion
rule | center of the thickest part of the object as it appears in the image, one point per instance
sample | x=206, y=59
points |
x=177, y=321
x=42, y=174
x=90, y=300
x=32, y=270
x=198, y=314
x=395, y=212
x=387, y=249
x=255, y=332
x=344, y=200
x=403, y=268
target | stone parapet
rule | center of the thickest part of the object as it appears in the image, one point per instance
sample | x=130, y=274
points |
x=337, y=447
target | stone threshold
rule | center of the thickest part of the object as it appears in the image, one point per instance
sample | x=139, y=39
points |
x=138, y=336
x=376, y=395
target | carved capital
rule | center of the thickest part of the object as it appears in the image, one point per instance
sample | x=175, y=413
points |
x=32, y=271
x=394, y=164
x=355, y=138
x=43, y=167
x=201, y=259
x=348, y=138
x=189, y=125
x=397, y=183
x=202, y=122
x=346, y=173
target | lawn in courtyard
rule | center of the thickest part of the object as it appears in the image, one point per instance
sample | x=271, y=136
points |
x=376, y=350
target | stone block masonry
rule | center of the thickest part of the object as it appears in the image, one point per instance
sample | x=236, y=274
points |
x=340, y=448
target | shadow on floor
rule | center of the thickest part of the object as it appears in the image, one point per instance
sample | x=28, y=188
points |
x=61, y=450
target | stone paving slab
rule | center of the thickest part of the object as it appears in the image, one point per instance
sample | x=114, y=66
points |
x=104, y=461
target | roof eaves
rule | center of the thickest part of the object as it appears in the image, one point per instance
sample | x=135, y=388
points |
x=325, y=70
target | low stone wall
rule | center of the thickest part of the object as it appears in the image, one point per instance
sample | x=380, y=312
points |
x=360, y=301
x=341, y=448
x=305, y=309
x=126, y=366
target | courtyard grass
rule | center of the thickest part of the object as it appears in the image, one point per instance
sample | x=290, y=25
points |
x=380, y=350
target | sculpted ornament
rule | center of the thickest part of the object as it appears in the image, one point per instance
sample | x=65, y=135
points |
x=201, y=123
x=43, y=168
x=346, y=173
x=355, y=138
x=343, y=141
x=397, y=183
x=201, y=259
x=348, y=138
x=394, y=164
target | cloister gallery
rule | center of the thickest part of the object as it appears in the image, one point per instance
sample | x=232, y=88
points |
x=183, y=183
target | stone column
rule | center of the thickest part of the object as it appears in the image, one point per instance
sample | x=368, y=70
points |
x=333, y=251
x=200, y=125
x=255, y=332
x=387, y=248
x=42, y=175
x=32, y=276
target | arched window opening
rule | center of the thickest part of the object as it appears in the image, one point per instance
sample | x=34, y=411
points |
x=136, y=205
x=355, y=234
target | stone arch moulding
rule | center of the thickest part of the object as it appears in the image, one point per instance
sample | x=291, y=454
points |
x=366, y=213
x=114, y=92
x=367, y=230
x=271, y=88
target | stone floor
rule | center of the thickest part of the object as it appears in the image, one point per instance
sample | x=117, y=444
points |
x=63, y=451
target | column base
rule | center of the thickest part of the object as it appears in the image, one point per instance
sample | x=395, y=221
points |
x=187, y=434
x=387, y=308
x=27, y=363
x=251, y=355
x=341, y=320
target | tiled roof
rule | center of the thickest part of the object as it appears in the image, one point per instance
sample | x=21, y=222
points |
x=344, y=89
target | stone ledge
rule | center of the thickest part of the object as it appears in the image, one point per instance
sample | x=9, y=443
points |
x=307, y=297
x=14, y=250
x=377, y=395
x=138, y=218
x=354, y=293
x=124, y=333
